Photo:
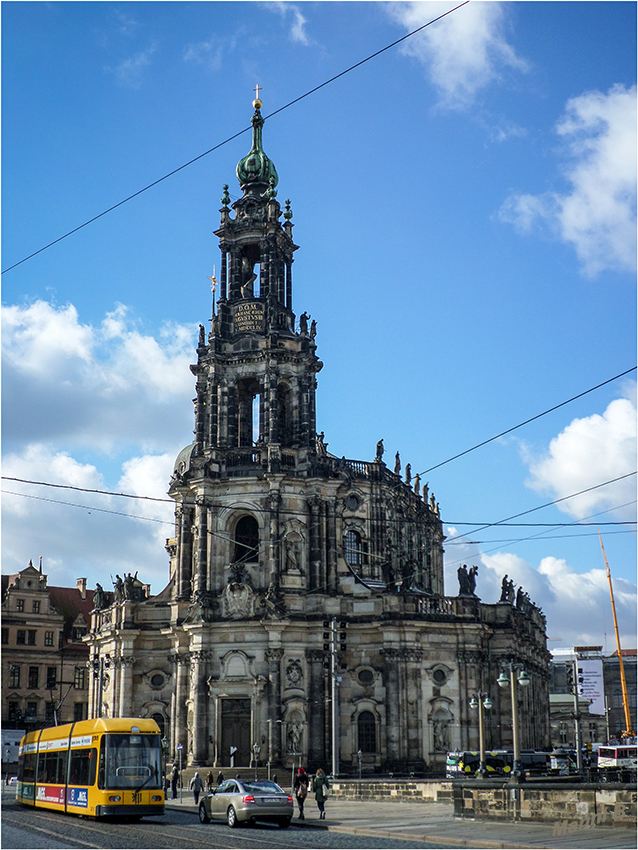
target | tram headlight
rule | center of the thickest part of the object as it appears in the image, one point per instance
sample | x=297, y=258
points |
x=115, y=799
x=156, y=798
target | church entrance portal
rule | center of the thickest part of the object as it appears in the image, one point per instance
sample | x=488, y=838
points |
x=236, y=731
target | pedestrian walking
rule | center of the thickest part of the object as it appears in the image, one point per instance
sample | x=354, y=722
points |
x=321, y=788
x=209, y=780
x=196, y=786
x=300, y=786
x=220, y=778
x=174, y=781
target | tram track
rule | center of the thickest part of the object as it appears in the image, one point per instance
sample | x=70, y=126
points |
x=151, y=833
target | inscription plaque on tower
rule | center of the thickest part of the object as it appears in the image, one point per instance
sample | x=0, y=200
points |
x=248, y=316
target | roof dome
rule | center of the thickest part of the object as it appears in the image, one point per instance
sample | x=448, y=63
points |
x=256, y=168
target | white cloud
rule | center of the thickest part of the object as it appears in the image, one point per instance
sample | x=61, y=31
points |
x=577, y=605
x=72, y=393
x=209, y=53
x=588, y=452
x=597, y=215
x=99, y=388
x=83, y=534
x=463, y=53
x=130, y=71
x=292, y=12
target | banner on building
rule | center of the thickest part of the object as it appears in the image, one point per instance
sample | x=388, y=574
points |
x=590, y=683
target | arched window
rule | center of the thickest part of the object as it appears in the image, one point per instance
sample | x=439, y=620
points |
x=159, y=719
x=353, y=548
x=617, y=698
x=246, y=540
x=367, y=732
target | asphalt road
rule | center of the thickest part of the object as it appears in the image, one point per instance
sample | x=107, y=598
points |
x=25, y=828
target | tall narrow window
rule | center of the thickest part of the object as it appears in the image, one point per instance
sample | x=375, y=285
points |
x=353, y=548
x=34, y=675
x=14, y=675
x=367, y=732
x=246, y=540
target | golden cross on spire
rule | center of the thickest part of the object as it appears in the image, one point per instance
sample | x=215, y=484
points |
x=256, y=90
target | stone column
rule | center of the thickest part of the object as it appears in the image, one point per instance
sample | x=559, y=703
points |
x=331, y=546
x=304, y=414
x=393, y=702
x=312, y=411
x=235, y=274
x=223, y=279
x=201, y=556
x=184, y=515
x=126, y=707
x=264, y=280
x=273, y=657
x=200, y=417
x=179, y=733
x=222, y=419
x=316, y=709
x=289, y=283
x=314, y=503
x=274, y=501
x=198, y=698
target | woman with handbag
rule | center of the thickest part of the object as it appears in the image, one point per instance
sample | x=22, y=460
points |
x=302, y=780
x=321, y=787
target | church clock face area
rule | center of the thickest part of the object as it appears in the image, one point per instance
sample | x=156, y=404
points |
x=289, y=561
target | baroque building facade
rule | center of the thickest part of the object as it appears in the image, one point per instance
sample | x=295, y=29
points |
x=45, y=679
x=305, y=615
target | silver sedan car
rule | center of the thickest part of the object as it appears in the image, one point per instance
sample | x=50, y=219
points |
x=239, y=801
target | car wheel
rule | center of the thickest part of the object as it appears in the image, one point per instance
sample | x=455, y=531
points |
x=284, y=823
x=203, y=817
x=231, y=817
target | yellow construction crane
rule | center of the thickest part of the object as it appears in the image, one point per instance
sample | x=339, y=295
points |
x=628, y=733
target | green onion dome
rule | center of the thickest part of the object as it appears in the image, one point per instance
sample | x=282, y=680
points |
x=256, y=168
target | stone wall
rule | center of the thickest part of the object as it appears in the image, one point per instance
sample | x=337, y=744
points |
x=574, y=805
x=412, y=791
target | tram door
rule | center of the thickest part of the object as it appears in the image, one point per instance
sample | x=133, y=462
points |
x=236, y=731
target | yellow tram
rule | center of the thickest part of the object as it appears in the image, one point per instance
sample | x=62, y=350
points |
x=96, y=768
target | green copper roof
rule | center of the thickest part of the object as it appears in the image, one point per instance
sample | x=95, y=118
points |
x=256, y=167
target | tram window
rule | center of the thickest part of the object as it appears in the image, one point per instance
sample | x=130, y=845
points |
x=132, y=761
x=52, y=768
x=83, y=767
x=28, y=774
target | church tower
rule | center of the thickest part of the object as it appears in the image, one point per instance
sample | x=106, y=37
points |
x=305, y=616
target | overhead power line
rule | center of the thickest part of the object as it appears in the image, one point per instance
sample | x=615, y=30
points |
x=546, y=505
x=527, y=421
x=235, y=136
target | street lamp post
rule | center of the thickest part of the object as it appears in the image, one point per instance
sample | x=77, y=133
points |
x=256, y=749
x=269, y=722
x=481, y=700
x=523, y=680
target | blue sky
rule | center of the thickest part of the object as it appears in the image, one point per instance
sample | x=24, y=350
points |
x=466, y=209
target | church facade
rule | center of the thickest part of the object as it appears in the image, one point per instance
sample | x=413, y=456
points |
x=305, y=617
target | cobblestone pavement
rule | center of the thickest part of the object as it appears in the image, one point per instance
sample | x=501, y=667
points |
x=434, y=823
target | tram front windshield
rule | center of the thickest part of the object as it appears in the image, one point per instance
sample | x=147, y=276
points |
x=130, y=762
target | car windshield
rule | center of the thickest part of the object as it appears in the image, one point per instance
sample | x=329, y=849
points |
x=130, y=761
x=262, y=788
